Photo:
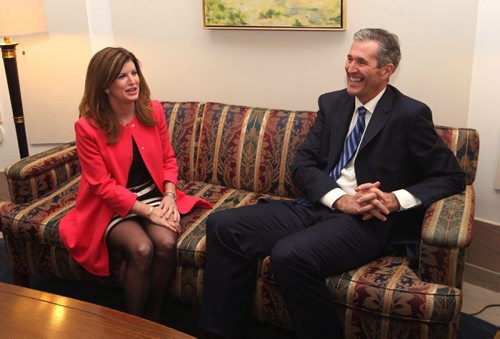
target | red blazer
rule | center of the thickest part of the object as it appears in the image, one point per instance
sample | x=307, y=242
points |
x=102, y=191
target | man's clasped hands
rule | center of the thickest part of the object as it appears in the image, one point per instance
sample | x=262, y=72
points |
x=369, y=201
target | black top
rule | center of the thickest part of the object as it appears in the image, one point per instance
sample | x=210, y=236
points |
x=138, y=173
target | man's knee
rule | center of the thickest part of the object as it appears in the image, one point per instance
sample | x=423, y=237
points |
x=288, y=257
x=283, y=254
x=217, y=225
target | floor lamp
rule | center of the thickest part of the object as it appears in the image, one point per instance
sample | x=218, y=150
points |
x=18, y=18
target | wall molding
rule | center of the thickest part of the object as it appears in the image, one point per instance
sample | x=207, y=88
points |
x=482, y=260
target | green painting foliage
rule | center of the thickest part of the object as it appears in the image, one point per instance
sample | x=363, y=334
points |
x=283, y=13
x=216, y=13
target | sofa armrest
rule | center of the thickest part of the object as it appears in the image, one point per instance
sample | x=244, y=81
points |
x=43, y=173
x=446, y=232
x=448, y=222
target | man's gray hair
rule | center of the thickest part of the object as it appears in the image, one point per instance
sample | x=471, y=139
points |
x=389, y=51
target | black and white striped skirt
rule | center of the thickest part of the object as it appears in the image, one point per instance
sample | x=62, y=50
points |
x=148, y=193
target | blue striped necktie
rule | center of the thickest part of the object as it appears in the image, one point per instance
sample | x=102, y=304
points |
x=351, y=144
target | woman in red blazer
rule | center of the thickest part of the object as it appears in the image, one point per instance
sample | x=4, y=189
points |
x=127, y=199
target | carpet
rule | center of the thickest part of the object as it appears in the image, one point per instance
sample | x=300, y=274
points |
x=180, y=316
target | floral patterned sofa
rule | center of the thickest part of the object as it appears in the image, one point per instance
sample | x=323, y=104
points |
x=232, y=156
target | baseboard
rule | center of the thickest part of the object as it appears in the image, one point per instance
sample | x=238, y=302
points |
x=482, y=277
x=482, y=264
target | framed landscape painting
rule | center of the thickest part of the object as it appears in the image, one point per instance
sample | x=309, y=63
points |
x=274, y=14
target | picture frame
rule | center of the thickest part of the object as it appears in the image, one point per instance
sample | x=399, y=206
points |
x=316, y=15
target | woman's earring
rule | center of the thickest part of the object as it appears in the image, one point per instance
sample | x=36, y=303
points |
x=106, y=91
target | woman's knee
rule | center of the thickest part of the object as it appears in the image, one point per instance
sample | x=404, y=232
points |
x=166, y=247
x=141, y=254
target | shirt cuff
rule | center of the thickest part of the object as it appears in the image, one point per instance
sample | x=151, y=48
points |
x=406, y=199
x=329, y=198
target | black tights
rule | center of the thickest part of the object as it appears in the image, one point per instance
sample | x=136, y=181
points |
x=150, y=250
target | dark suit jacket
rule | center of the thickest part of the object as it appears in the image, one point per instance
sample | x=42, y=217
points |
x=400, y=149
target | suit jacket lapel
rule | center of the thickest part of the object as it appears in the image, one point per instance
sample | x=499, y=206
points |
x=339, y=128
x=379, y=117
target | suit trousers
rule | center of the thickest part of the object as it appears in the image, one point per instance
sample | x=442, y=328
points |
x=306, y=245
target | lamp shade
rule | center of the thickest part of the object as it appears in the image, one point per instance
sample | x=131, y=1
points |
x=22, y=17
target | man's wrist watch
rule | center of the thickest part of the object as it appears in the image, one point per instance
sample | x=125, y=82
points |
x=170, y=194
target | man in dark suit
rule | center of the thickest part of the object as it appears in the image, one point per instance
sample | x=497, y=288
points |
x=359, y=202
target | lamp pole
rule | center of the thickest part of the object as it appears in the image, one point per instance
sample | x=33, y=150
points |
x=10, y=64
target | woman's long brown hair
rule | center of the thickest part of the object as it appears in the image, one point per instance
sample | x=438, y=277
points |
x=103, y=69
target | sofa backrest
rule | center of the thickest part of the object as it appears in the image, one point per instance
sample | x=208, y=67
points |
x=183, y=120
x=253, y=148
x=237, y=146
x=464, y=143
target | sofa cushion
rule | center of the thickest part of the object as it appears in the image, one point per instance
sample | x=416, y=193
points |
x=387, y=287
x=191, y=243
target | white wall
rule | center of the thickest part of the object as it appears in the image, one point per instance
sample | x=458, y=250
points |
x=282, y=69
x=51, y=73
x=290, y=69
x=484, y=114
x=100, y=24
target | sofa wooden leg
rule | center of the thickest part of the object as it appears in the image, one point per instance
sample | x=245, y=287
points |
x=21, y=279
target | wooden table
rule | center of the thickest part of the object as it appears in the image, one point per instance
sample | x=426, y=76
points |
x=27, y=313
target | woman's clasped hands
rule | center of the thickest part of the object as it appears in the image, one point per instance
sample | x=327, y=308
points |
x=166, y=214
